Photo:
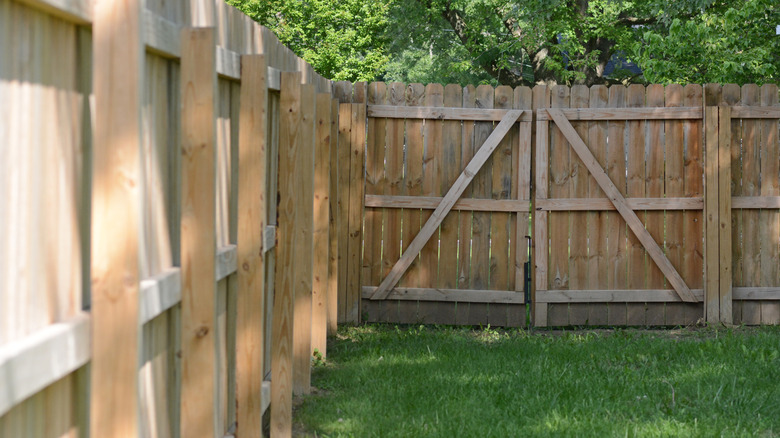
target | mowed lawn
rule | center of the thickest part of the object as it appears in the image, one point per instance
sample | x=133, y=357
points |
x=385, y=381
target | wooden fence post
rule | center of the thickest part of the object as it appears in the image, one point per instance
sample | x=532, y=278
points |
x=356, y=190
x=289, y=245
x=724, y=215
x=198, y=232
x=711, y=246
x=250, y=251
x=118, y=88
x=541, y=99
x=333, y=238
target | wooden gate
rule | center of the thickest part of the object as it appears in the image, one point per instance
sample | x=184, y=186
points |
x=643, y=263
x=447, y=204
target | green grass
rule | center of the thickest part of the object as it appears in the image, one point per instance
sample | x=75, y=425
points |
x=387, y=381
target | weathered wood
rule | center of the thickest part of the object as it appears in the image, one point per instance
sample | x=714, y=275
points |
x=752, y=112
x=445, y=113
x=522, y=180
x=692, y=258
x=646, y=113
x=319, y=318
x=755, y=202
x=450, y=169
x=355, y=211
x=431, y=185
x=711, y=246
x=578, y=229
x=412, y=185
x=630, y=217
x=597, y=221
x=198, y=235
x=751, y=186
x=445, y=206
x=724, y=215
x=288, y=254
x=756, y=293
x=673, y=185
x=342, y=198
x=226, y=262
x=375, y=178
x=655, y=145
x=769, y=221
x=449, y=295
x=616, y=227
x=252, y=213
x=636, y=132
x=597, y=204
x=541, y=99
x=615, y=295
x=431, y=202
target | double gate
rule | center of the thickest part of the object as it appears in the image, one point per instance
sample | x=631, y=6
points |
x=631, y=208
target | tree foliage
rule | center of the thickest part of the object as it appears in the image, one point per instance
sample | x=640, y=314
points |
x=571, y=41
x=341, y=39
x=522, y=42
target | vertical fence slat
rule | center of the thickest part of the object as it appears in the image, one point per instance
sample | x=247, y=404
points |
x=411, y=186
x=617, y=251
x=693, y=228
x=769, y=219
x=654, y=188
x=450, y=169
x=465, y=217
x=431, y=186
x=560, y=174
x=375, y=177
x=724, y=215
x=635, y=182
x=288, y=255
x=304, y=241
x=522, y=180
x=541, y=99
x=598, y=225
x=394, y=157
x=345, y=125
x=319, y=318
x=198, y=236
x=751, y=173
x=333, y=237
x=356, y=193
x=118, y=81
x=578, y=188
x=501, y=188
x=673, y=180
x=250, y=252
x=711, y=248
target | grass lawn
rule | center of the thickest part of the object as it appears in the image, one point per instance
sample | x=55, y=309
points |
x=383, y=381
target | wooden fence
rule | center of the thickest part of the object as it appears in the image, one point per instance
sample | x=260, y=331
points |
x=149, y=285
x=651, y=205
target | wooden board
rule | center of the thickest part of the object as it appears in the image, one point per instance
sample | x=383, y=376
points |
x=375, y=173
x=118, y=65
x=578, y=226
x=342, y=221
x=435, y=112
x=431, y=186
x=769, y=220
x=560, y=174
x=751, y=174
x=541, y=99
x=724, y=215
x=333, y=237
x=597, y=222
x=635, y=185
x=252, y=215
x=617, y=250
x=693, y=164
x=355, y=213
x=655, y=145
x=673, y=183
x=319, y=319
x=290, y=169
x=303, y=230
x=521, y=177
x=198, y=236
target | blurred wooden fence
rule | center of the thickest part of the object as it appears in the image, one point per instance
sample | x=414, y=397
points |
x=651, y=206
x=147, y=278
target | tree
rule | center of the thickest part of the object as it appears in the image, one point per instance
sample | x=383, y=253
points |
x=522, y=42
x=341, y=39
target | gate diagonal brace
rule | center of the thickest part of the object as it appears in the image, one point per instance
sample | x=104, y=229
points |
x=446, y=204
x=621, y=206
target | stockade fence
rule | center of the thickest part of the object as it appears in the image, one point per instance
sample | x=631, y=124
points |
x=648, y=205
x=165, y=244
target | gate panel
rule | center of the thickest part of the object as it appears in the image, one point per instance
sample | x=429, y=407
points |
x=644, y=155
x=451, y=280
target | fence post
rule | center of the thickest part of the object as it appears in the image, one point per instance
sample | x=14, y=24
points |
x=724, y=214
x=116, y=210
x=711, y=222
x=250, y=251
x=541, y=99
x=321, y=224
x=198, y=231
